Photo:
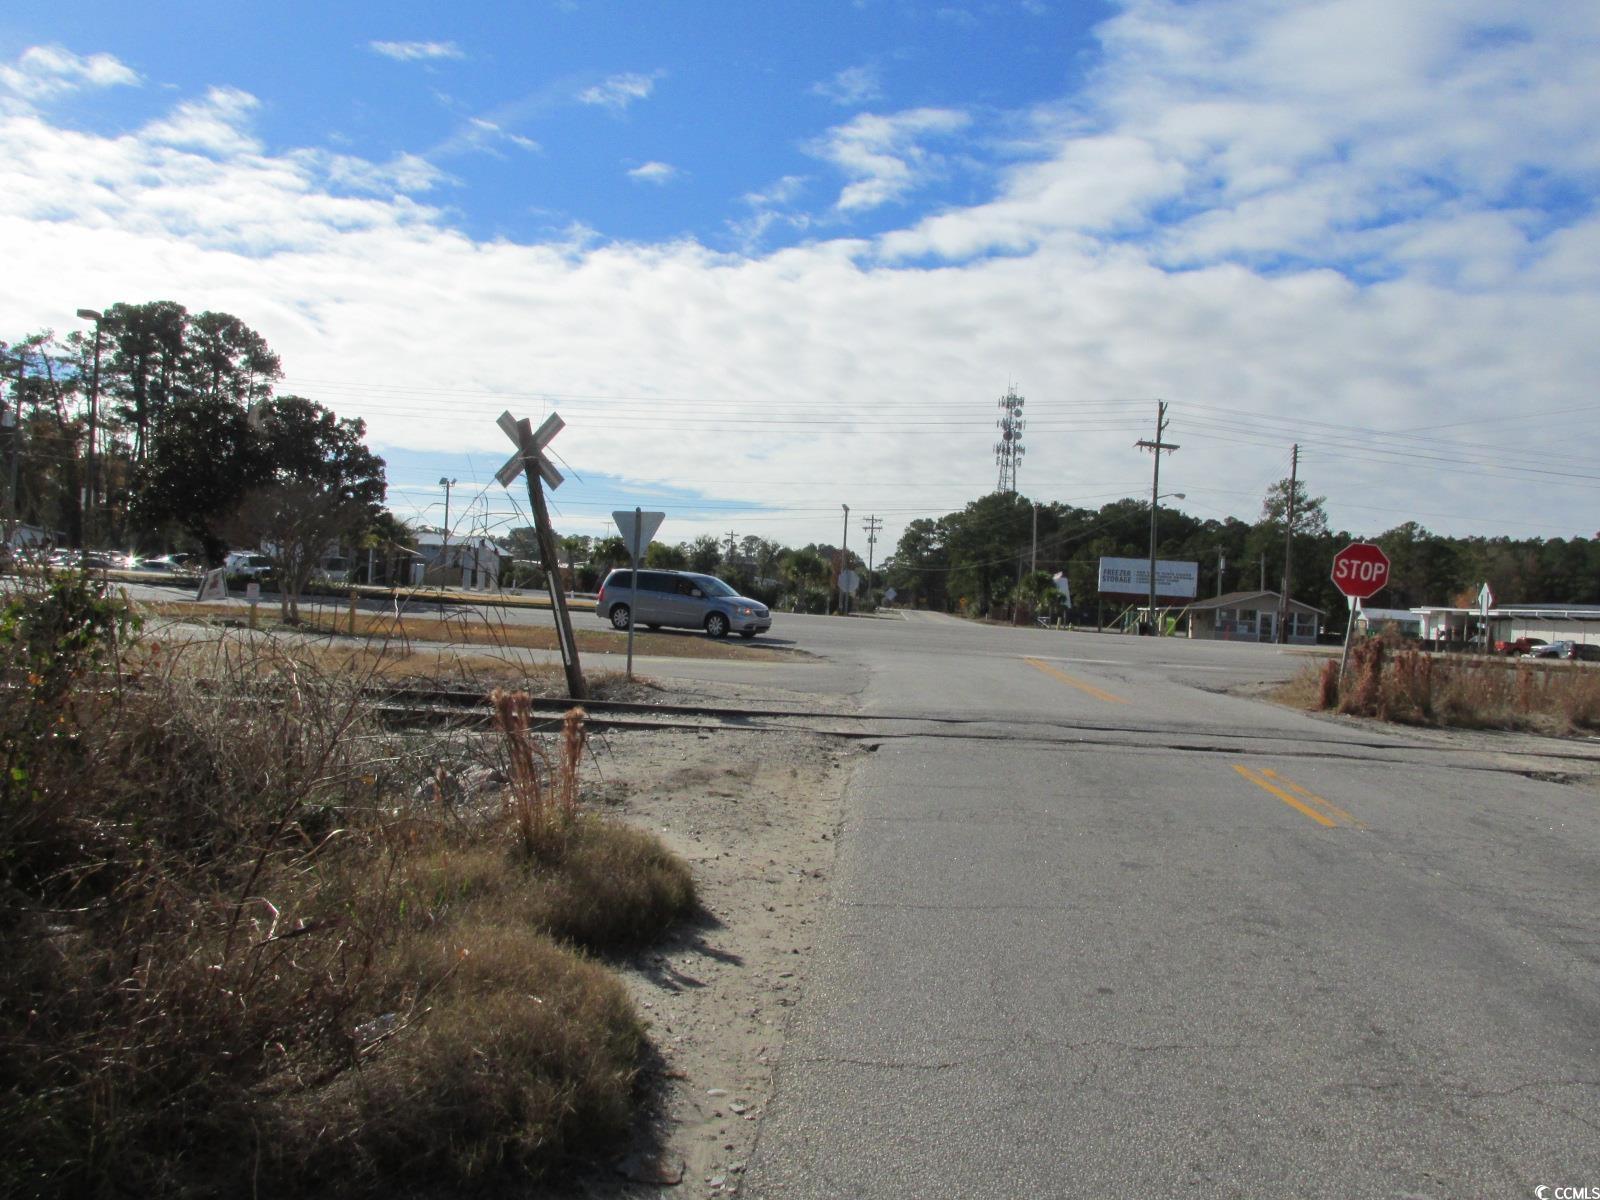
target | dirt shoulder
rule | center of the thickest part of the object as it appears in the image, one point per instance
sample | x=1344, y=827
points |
x=756, y=815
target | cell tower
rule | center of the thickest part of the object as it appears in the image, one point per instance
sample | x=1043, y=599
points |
x=1008, y=450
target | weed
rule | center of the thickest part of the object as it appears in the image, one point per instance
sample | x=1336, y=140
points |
x=595, y=882
x=1411, y=687
x=1328, y=686
x=253, y=948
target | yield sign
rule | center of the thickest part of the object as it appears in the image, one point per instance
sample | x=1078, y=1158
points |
x=637, y=535
x=530, y=443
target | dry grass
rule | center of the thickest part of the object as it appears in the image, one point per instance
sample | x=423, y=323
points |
x=1410, y=687
x=478, y=627
x=258, y=945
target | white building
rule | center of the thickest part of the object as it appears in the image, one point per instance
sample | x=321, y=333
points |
x=1374, y=620
x=454, y=561
x=1508, y=622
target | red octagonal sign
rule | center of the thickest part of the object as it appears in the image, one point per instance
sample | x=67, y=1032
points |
x=1360, y=569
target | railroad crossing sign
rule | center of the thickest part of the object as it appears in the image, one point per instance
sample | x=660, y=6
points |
x=530, y=445
x=522, y=434
x=1360, y=570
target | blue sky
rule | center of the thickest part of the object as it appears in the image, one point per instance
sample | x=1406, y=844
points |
x=641, y=121
x=771, y=259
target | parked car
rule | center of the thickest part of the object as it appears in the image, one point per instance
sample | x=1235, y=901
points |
x=683, y=600
x=175, y=564
x=1521, y=645
x=243, y=565
x=1569, y=650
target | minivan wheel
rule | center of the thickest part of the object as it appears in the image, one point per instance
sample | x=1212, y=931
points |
x=717, y=625
x=619, y=616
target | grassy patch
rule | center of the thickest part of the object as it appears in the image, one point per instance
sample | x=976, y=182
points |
x=257, y=944
x=1410, y=687
x=478, y=627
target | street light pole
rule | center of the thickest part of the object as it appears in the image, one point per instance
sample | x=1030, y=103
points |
x=89, y=314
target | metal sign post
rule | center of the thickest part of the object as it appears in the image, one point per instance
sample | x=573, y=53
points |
x=1350, y=623
x=530, y=445
x=637, y=528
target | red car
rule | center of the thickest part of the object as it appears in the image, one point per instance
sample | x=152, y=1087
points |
x=1519, y=645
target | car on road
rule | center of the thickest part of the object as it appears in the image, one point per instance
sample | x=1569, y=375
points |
x=682, y=600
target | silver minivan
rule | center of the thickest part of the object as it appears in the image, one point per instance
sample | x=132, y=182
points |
x=683, y=600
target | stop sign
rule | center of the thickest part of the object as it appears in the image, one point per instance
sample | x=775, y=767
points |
x=1360, y=569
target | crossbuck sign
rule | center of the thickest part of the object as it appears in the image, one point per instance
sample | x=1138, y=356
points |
x=530, y=442
x=530, y=445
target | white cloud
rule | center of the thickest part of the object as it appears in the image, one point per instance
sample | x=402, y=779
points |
x=883, y=155
x=1221, y=218
x=44, y=72
x=219, y=124
x=851, y=86
x=619, y=91
x=655, y=172
x=416, y=51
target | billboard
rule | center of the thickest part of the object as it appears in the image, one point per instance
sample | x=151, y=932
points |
x=1131, y=577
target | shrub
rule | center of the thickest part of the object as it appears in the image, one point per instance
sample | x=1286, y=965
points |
x=1328, y=686
x=594, y=882
x=1417, y=688
x=250, y=950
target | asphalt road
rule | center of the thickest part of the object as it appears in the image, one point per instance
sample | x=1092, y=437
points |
x=1122, y=934
x=1134, y=937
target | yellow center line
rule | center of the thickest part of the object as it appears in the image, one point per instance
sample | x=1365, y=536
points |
x=1076, y=683
x=1272, y=788
x=1327, y=806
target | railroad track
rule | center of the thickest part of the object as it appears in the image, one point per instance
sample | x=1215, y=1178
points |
x=424, y=706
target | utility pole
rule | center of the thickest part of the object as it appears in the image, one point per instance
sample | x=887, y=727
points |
x=872, y=526
x=89, y=314
x=844, y=563
x=14, y=416
x=1033, y=562
x=1155, y=448
x=1288, y=546
x=732, y=541
x=444, y=538
x=1222, y=565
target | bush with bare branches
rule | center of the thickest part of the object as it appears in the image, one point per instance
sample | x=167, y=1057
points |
x=251, y=950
